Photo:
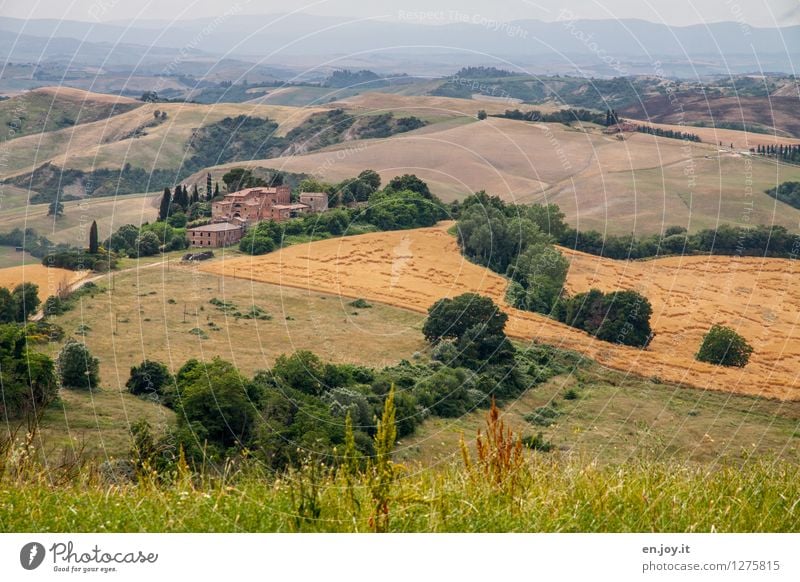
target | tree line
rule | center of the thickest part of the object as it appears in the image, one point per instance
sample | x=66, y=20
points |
x=788, y=193
x=565, y=116
x=668, y=133
x=785, y=152
x=358, y=205
x=518, y=241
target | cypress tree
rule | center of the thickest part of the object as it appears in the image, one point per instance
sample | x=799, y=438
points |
x=94, y=245
x=163, y=209
x=181, y=198
x=195, y=195
x=208, y=186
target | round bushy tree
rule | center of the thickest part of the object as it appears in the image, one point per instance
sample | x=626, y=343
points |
x=148, y=378
x=303, y=371
x=724, y=347
x=77, y=368
x=217, y=404
x=451, y=318
x=147, y=244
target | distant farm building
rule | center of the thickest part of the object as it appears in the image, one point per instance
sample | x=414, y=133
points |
x=251, y=205
x=316, y=201
x=216, y=234
x=231, y=216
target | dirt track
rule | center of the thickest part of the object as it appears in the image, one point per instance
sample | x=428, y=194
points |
x=412, y=269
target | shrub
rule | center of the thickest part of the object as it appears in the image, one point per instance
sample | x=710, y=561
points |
x=77, y=368
x=543, y=416
x=148, y=378
x=217, y=405
x=18, y=305
x=360, y=304
x=198, y=332
x=445, y=392
x=303, y=371
x=29, y=378
x=147, y=244
x=537, y=443
x=722, y=346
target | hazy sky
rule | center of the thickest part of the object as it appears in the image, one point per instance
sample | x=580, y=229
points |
x=753, y=12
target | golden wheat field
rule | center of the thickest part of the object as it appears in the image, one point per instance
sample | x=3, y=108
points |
x=412, y=269
x=48, y=280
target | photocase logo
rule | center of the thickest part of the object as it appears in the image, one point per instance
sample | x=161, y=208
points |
x=31, y=555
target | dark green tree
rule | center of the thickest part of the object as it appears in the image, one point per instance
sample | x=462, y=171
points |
x=476, y=325
x=55, y=208
x=217, y=405
x=124, y=240
x=7, y=306
x=77, y=368
x=94, y=243
x=147, y=244
x=25, y=299
x=409, y=182
x=163, y=208
x=149, y=378
x=722, y=346
x=371, y=178
x=619, y=317
x=538, y=277
x=303, y=371
x=29, y=378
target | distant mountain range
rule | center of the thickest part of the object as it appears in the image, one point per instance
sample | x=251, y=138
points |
x=603, y=47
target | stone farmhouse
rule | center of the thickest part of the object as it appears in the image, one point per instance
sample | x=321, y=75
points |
x=231, y=216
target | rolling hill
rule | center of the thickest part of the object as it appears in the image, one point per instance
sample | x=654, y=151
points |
x=637, y=185
x=776, y=114
x=413, y=269
x=53, y=108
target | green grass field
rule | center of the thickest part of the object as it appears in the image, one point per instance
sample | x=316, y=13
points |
x=542, y=495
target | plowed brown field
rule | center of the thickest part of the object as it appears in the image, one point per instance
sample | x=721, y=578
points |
x=412, y=269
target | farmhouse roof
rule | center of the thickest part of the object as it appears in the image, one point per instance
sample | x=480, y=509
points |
x=216, y=227
x=290, y=206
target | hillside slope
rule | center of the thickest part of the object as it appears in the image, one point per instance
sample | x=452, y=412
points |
x=54, y=108
x=774, y=114
x=413, y=269
x=636, y=185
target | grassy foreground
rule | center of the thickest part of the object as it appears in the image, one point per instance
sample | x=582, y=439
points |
x=549, y=495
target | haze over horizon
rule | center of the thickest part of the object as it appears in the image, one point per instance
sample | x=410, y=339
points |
x=756, y=13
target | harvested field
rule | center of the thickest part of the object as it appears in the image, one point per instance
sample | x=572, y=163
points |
x=48, y=280
x=412, y=269
x=164, y=312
